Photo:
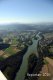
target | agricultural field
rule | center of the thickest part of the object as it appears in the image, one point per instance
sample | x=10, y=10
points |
x=48, y=35
x=8, y=52
x=11, y=50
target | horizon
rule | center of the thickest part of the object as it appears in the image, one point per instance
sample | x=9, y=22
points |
x=37, y=23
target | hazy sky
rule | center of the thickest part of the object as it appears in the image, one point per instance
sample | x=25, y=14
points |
x=26, y=11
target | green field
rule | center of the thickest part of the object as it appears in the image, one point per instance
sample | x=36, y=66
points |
x=10, y=50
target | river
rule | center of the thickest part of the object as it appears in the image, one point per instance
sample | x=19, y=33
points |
x=23, y=68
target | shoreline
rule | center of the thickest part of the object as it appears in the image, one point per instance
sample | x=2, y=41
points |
x=11, y=63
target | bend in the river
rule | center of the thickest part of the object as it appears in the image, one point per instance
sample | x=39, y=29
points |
x=23, y=68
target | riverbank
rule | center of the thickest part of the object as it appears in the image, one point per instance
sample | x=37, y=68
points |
x=35, y=65
x=11, y=65
x=24, y=66
x=16, y=65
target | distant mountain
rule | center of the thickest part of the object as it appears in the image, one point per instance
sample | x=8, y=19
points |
x=16, y=27
x=40, y=27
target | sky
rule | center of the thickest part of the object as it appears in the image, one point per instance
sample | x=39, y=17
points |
x=26, y=11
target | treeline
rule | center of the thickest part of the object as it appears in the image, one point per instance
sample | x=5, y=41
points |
x=4, y=46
